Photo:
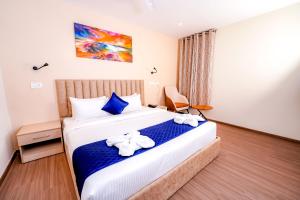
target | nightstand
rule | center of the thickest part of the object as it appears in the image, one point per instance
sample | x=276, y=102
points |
x=163, y=107
x=40, y=140
x=157, y=106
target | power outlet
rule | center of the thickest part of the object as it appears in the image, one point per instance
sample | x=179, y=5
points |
x=36, y=85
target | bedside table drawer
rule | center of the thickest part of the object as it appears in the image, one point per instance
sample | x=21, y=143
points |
x=39, y=137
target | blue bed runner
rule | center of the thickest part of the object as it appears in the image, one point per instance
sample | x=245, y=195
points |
x=90, y=158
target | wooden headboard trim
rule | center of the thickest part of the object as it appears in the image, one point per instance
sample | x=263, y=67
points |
x=92, y=89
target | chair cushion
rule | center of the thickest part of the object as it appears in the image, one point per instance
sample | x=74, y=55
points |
x=181, y=105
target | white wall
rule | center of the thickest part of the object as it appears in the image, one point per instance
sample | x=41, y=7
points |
x=6, y=150
x=35, y=31
x=256, y=76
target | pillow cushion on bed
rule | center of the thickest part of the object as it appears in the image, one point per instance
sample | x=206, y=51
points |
x=88, y=108
x=115, y=105
x=134, y=103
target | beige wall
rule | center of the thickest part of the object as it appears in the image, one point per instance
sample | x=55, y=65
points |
x=256, y=78
x=34, y=32
x=5, y=128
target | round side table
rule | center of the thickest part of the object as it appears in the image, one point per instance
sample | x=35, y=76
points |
x=202, y=107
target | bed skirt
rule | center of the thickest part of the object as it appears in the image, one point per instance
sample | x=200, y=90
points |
x=165, y=186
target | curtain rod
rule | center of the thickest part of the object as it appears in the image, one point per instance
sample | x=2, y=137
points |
x=212, y=30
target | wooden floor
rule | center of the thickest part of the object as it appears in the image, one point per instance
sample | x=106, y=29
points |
x=250, y=166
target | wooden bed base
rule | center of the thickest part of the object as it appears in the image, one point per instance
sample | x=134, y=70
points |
x=165, y=186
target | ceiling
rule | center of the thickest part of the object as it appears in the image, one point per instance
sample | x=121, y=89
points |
x=180, y=18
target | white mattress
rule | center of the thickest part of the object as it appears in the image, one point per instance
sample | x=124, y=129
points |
x=123, y=179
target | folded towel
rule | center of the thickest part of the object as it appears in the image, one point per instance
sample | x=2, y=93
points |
x=188, y=119
x=179, y=119
x=132, y=133
x=115, y=140
x=143, y=141
x=126, y=148
x=199, y=118
x=191, y=121
x=130, y=142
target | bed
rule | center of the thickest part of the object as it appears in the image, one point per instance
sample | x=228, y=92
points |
x=155, y=174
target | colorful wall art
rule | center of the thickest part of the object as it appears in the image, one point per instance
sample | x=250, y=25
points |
x=101, y=44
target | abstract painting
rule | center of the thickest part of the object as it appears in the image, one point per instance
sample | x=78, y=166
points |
x=96, y=43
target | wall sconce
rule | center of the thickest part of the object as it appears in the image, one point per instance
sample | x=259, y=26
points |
x=37, y=68
x=154, y=70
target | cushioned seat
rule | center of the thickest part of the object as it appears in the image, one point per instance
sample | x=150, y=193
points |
x=174, y=100
x=181, y=105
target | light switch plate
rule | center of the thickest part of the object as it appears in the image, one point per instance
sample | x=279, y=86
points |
x=36, y=85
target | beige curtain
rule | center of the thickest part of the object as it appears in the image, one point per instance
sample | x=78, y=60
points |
x=195, y=66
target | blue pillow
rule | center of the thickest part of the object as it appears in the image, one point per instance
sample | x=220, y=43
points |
x=115, y=105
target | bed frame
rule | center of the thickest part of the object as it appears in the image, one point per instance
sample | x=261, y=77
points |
x=165, y=186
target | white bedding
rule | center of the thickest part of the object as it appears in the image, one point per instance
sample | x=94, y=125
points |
x=123, y=179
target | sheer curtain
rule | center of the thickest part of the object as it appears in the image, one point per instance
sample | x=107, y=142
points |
x=195, y=66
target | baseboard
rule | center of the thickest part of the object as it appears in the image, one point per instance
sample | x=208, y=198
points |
x=8, y=167
x=256, y=131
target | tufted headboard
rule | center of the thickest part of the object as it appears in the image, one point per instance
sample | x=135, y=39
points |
x=91, y=89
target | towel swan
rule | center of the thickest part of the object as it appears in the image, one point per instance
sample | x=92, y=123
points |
x=188, y=119
x=130, y=142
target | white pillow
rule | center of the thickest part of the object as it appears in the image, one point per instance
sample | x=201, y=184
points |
x=88, y=108
x=134, y=103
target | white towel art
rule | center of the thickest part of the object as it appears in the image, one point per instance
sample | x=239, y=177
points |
x=188, y=119
x=130, y=142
